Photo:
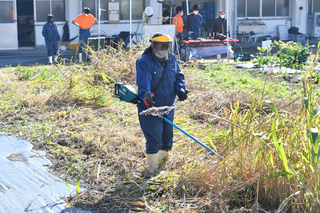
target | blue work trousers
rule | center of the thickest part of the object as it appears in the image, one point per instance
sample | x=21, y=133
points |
x=158, y=133
x=84, y=35
x=52, y=47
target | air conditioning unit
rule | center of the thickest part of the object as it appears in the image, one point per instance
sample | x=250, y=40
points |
x=316, y=25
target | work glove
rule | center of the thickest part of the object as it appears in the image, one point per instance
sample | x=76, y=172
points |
x=58, y=41
x=183, y=95
x=148, y=100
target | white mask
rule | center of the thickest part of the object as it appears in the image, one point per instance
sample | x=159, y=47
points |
x=195, y=12
x=86, y=14
x=181, y=14
x=161, y=54
x=222, y=16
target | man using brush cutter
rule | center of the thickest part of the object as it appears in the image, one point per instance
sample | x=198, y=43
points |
x=159, y=80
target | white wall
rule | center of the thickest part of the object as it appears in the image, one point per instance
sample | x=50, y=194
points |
x=299, y=17
x=157, y=12
x=73, y=9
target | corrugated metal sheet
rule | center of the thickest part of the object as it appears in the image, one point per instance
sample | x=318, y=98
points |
x=24, y=179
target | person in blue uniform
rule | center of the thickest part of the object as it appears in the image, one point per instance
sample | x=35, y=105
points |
x=52, y=37
x=158, y=60
x=193, y=23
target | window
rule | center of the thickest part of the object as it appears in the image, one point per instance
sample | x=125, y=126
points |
x=254, y=9
x=58, y=10
x=283, y=8
x=241, y=9
x=316, y=6
x=263, y=8
x=313, y=6
x=6, y=12
x=91, y=5
x=268, y=8
x=137, y=9
x=54, y=7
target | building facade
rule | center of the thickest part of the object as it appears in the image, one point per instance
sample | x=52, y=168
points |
x=21, y=21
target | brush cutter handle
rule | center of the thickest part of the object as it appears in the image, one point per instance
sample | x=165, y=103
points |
x=148, y=101
x=183, y=95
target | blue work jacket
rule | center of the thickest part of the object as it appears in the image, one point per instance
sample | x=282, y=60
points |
x=149, y=72
x=193, y=23
x=51, y=32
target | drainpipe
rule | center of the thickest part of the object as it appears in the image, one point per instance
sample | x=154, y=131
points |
x=187, y=6
x=227, y=31
x=130, y=43
x=235, y=19
x=99, y=14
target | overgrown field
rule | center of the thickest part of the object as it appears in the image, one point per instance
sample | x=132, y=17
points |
x=264, y=127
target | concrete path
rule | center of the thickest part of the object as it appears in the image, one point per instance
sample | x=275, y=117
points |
x=31, y=56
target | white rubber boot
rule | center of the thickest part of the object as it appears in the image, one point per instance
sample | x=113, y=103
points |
x=55, y=59
x=152, y=162
x=80, y=57
x=162, y=158
x=219, y=58
x=50, y=59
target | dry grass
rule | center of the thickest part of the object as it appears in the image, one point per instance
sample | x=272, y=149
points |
x=74, y=116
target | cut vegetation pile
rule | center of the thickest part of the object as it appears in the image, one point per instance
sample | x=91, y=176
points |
x=265, y=128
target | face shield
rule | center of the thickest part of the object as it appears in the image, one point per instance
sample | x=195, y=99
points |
x=162, y=48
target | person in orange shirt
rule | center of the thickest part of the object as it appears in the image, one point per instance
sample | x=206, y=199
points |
x=179, y=23
x=84, y=21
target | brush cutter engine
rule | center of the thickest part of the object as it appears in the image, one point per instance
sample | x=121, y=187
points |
x=125, y=93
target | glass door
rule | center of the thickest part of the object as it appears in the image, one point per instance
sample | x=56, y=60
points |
x=25, y=17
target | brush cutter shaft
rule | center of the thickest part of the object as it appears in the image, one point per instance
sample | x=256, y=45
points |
x=190, y=136
x=186, y=133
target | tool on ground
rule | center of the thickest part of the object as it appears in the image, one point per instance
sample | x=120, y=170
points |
x=242, y=57
x=127, y=93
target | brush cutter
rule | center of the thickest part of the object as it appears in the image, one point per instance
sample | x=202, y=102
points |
x=127, y=93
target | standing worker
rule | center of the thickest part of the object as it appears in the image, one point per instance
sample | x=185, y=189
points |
x=84, y=21
x=159, y=75
x=193, y=22
x=179, y=23
x=219, y=26
x=51, y=35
